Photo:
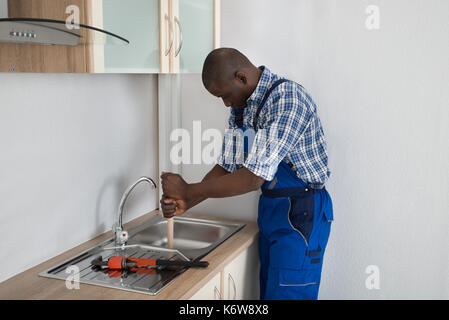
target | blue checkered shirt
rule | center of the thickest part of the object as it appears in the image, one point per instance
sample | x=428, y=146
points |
x=288, y=130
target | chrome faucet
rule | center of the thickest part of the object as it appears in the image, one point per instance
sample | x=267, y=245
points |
x=121, y=236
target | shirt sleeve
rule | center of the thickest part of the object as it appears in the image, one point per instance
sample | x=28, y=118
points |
x=286, y=120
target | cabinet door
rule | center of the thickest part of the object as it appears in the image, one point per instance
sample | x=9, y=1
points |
x=241, y=276
x=137, y=21
x=197, y=30
x=210, y=291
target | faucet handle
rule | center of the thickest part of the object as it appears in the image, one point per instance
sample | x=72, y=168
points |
x=121, y=236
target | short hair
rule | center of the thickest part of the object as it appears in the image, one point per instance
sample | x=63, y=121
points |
x=222, y=64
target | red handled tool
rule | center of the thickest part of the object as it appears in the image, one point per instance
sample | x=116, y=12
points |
x=123, y=263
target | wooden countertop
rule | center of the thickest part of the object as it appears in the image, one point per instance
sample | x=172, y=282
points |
x=29, y=285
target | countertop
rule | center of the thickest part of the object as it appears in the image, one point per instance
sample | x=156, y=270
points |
x=29, y=285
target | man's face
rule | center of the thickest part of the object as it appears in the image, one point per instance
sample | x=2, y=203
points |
x=233, y=92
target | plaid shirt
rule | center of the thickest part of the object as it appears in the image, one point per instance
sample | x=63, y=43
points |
x=288, y=130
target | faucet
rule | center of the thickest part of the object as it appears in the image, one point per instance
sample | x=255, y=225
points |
x=121, y=236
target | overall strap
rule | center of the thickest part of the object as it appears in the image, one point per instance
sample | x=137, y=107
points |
x=262, y=104
x=238, y=117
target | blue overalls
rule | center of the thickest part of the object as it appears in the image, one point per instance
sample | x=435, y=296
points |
x=294, y=221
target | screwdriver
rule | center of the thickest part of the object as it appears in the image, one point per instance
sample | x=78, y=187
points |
x=123, y=263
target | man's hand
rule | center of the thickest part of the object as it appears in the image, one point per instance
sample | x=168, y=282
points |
x=171, y=207
x=174, y=200
x=174, y=186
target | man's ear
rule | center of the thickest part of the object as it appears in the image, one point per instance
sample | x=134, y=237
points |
x=241, y=77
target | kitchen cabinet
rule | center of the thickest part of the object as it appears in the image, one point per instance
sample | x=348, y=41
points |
x=166, y=36
x=241, y=276
x=160, y=36
x=239, y=279
x=197, y=33
x=138, y=22
x=210, y=291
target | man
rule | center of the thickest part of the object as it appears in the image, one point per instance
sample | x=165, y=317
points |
x=286, y=158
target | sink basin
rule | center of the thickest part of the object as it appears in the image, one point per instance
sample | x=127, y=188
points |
x=193, y=239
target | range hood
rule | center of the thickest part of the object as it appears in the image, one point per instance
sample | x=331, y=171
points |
x=31, y=22
x=54, y=32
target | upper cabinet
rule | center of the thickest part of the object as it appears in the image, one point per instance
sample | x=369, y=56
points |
x=197, y=32
x=138, y=22
x=165, y=36
x=110, y=36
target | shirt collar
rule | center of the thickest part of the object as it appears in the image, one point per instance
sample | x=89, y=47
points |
x=262, y=87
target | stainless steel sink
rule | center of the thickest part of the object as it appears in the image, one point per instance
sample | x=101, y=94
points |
x=193, y=239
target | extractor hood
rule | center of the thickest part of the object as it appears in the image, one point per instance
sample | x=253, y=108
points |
x=54, y=32
x=26, y=21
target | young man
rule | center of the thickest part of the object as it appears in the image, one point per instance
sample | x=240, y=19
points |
x=285, y=155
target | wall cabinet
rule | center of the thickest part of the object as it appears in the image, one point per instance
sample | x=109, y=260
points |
x=165, y=36
x=190, y=30
x=138, y=22
x=239, y=280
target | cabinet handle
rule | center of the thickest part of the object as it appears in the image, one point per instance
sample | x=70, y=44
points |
x=217, y=292
x=233, y=286
x=180, y=36
x=172, y=33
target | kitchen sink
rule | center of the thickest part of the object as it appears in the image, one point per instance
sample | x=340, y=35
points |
x=193, y=239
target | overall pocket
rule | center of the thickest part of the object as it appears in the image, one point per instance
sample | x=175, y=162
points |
x=319, y=239
x=288, y=284
x=301, y=214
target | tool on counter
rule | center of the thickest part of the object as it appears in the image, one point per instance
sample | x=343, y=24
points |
x=123, y=263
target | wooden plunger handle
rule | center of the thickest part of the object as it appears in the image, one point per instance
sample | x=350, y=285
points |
x=170, y=232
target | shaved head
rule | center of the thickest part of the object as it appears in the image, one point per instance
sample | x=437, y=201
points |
x=228, y=74
x=222, y=64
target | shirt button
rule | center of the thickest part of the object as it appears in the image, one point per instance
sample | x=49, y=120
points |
x=306, y=190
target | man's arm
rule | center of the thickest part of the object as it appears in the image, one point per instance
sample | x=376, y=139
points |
x=228, y=185
x=216, y=172
x=233, y=184
x=169, y=205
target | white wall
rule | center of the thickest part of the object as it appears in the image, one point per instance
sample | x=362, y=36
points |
x=69, y=147
x=383, y=101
